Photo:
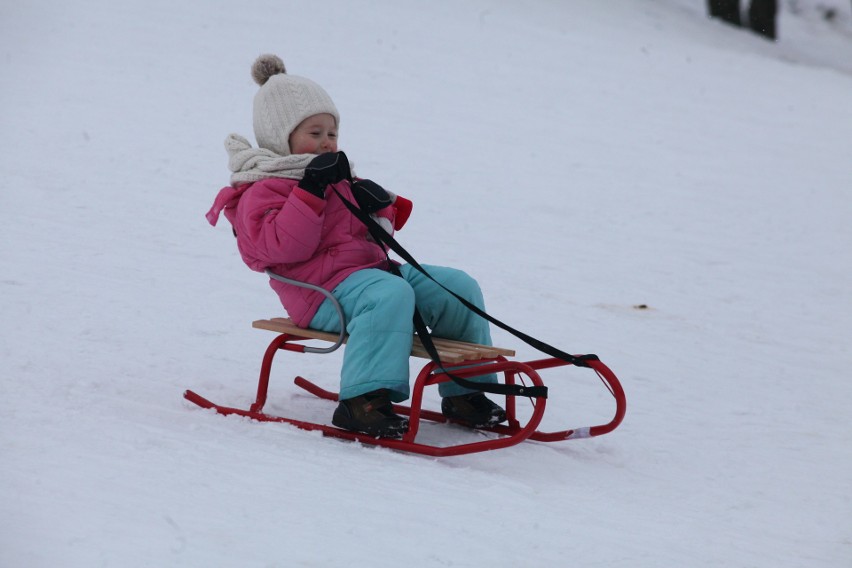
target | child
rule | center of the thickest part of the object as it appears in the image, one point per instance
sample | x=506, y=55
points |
x=288, y=218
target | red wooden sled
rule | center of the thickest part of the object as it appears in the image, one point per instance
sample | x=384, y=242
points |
x=462, y=359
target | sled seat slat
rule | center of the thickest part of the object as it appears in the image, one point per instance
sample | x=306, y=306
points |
x=449, y=350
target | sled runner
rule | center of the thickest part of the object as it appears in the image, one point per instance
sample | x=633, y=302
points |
x=457, y=358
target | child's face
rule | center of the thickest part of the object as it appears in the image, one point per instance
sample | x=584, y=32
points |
x=316, y=134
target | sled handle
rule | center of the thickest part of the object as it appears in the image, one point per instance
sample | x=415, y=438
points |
x=342, y=335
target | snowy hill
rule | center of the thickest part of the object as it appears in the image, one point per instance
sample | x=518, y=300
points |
x=578, y=158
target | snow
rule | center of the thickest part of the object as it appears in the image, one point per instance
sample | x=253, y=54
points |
x=578, y=159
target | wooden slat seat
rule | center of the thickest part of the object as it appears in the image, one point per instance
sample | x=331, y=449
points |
x=450, y=350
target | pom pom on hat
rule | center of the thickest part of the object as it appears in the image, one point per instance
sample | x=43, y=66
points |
x=265, y=67
x=283, y=102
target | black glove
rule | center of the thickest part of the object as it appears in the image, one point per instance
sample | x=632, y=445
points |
x=323, y=171
x=370, y=196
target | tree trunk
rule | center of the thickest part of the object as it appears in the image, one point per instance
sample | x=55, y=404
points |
x=726, y=10
x=761, y=17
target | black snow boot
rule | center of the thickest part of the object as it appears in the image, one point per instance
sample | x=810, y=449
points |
x=371, y=413
x=474, y=410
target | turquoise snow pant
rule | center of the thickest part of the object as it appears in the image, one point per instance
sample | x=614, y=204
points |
x=379, y=307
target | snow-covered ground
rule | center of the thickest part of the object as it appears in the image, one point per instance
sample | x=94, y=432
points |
x=578, y=158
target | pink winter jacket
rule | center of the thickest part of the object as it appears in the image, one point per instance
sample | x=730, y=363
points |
x=281, y=227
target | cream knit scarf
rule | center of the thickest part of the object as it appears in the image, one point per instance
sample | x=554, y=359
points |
x=250, y=164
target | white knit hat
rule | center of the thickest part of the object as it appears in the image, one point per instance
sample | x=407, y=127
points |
x=283, y=102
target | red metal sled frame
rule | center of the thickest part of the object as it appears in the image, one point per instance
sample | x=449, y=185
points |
x=510, y=434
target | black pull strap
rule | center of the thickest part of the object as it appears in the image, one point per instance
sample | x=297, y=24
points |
x=381, y=236
x=426, y=340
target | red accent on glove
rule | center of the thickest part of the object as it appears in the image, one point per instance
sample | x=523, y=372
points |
x=311, y=200
x=402, y=207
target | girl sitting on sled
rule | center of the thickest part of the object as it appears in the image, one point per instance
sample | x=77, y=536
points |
x=289, y=219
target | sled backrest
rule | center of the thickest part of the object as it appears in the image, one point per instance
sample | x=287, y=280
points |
x=338, y=339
